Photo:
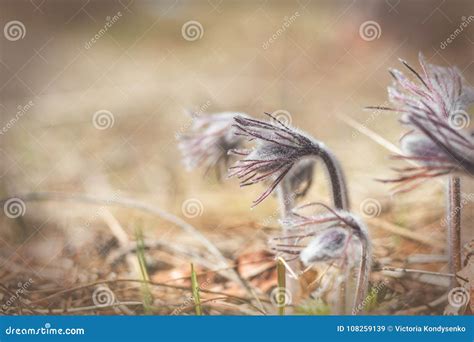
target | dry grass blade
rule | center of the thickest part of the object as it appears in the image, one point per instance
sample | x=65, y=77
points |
x=408, y=234
x=377, y=138
x=62, y=292
x=371, y=134
x=410, y=270
x=145, y=207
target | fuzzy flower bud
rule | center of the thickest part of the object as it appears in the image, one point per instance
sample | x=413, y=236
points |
x=434, y=109
x=210, y=139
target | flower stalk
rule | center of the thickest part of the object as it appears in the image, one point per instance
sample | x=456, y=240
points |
x=454, y=226
x=286, y=202
x=281, y=158
x=331, y=235
x=434, y=108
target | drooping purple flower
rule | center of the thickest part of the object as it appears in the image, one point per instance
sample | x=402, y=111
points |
x=280, y=149
x=330, y=244
x=329, y=232
x=434, y=109
x=330, y=237
x=209, y=140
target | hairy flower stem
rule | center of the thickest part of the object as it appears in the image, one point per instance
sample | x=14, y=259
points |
x=454, y=226
x=287, y=201
x=340, y=200
x=337, y=180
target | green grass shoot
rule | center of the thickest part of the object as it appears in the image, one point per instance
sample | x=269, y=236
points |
x=145, y=288
x=195, y=290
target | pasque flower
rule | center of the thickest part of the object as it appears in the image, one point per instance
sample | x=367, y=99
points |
x=280, y=149
x=330, y=235
x=330, y=244
x=433, y=107
x=210, y=139
x=284, y=157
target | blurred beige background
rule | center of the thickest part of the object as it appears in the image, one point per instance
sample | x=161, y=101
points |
x=311, y=60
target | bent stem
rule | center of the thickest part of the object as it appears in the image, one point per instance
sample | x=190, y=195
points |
x=340, y=200
x=336, y=178
x=454, y=226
